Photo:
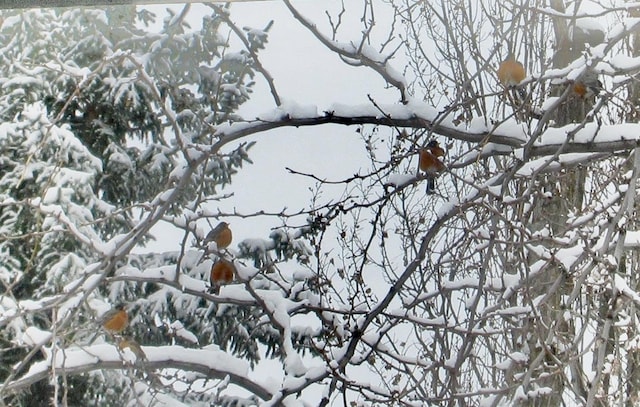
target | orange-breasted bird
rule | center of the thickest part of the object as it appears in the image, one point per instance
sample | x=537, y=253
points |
x=221, y=234
x=116, y=320
x=588, y=86
x=222, y=272
x=429, y=162
x=510, y=74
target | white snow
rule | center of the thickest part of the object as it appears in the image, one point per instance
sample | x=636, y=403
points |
x=632, y=239
x=626, y=25
x=399, y=180
x=94, y=354
x=562, y=161
x=623, y=288
x=21, y=82
x=178, y=329
x=33, y=336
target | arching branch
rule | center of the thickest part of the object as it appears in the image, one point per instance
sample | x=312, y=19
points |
x=212, y=364
x=589, y=138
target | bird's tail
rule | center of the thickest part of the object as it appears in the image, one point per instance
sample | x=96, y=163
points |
x=214, y=289
x=431, y=185
x=519, y=96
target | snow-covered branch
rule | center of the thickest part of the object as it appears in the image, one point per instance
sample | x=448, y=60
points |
x=589, y=138
x=212, y=363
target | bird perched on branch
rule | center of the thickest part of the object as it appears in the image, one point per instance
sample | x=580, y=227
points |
x=429, y=162
x=222, y=272
x=221, y=235
x=116, y=320
x=588, y=86
x=510, y=74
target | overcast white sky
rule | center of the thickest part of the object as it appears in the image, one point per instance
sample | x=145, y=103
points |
x=307, y=73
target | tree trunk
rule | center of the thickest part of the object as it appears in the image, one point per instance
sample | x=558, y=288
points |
x=552, y=331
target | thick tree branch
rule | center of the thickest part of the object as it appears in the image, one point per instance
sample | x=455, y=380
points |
x=589, y=139
x=105, y=356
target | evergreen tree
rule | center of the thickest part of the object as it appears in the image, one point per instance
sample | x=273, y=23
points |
x=101, y=118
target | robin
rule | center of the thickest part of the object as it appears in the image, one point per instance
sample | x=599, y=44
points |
x=587, y=87
x=510, y=74
x=429, y=162
x=222, y=272
x=221, y=234
x=115, y=321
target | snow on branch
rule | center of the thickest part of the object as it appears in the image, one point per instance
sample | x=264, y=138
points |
x=213, y=363
x=586, y=138
x=412, y=115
